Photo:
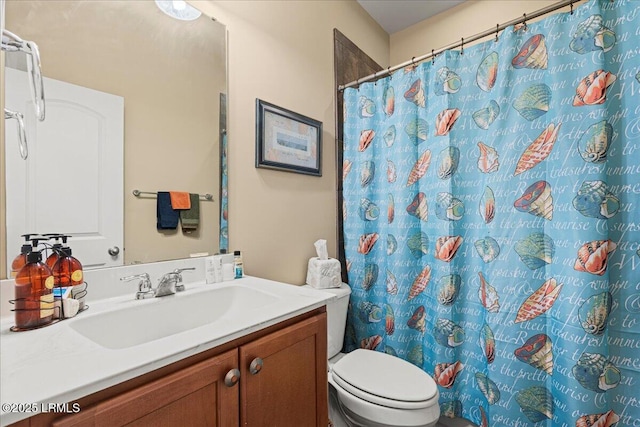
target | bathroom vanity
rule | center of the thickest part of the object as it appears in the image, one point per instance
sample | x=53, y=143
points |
x=258, y=355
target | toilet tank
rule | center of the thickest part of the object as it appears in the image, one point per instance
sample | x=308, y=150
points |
x=337, y=318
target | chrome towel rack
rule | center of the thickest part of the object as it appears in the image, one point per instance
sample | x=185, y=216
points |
x=138, y=193
x=13, y=43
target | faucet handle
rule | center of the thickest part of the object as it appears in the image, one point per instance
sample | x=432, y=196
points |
x=144, y=286
x=178, y=272
x=146, y=280
x=144, y=276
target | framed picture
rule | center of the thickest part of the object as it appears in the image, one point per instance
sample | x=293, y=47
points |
x=287, y=141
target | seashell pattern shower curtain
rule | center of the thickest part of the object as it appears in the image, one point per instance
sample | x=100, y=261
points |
x=492, y=221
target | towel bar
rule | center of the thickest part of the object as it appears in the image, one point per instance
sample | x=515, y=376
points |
x=138, y=193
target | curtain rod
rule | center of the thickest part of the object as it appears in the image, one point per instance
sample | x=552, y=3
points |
x=525, y=17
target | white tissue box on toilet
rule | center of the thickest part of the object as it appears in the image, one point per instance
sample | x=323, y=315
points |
x=324, y=273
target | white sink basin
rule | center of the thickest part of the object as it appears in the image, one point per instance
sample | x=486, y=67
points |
x=157, y=318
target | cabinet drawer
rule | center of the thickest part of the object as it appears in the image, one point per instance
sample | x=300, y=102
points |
x=196, y=395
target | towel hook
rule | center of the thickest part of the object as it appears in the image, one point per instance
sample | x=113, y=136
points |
x=22, y=134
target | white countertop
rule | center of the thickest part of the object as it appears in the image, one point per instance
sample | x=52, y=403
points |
x=56, y=364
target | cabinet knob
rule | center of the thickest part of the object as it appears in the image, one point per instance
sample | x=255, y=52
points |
x=232, y=377
x=255, y=366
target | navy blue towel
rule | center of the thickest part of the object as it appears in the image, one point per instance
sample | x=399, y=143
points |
x=167, y=216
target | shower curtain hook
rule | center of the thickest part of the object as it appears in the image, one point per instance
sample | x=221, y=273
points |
x=497, y=31
x=433, y=57
x=462, y=46
x=524, y=21
x=358, y=84
x=571, y=8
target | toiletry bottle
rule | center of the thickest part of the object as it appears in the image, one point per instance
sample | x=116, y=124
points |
x=21, y=260
x=67, y=271
x=209, y=269
x=55, y=249
x=217, y=269
x=237, y=264
x=34, y=292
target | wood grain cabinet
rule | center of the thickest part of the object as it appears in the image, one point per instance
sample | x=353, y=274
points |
x=276, y=377
x=283, y=378
x=197, y=394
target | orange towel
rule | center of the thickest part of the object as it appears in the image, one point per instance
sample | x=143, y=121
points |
x=180, y=200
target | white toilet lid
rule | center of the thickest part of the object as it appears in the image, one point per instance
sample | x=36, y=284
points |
x=384, y=379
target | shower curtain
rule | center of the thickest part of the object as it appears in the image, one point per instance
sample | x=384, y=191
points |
x=492, y=220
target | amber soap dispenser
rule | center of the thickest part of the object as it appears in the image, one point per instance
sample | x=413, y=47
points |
x=34, y=292
x=21, y=260
x=67, y=271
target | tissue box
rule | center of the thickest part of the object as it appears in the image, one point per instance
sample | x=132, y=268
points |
x=324, y=273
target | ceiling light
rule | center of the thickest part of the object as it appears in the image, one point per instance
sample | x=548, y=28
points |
x=178, y=9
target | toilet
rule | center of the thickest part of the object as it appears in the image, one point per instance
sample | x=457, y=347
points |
x=370, y=388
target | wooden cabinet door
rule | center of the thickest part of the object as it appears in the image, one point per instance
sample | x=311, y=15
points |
x=196, y=396
x=290, y=388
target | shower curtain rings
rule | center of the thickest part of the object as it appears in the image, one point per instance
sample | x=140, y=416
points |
x=462, y=46
x=433, y=57
x=571, y=8
x=497, y=30
x=389, y=70
x=524, y=22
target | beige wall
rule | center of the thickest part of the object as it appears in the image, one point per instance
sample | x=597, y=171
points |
x=469, y=18
x=282, y=52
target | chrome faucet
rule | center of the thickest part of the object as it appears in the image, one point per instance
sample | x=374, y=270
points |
x=168, y=284
x=144, y=285
x=169, y=280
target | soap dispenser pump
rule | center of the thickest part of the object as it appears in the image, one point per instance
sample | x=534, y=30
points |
x=34, y=292
x=67, y=271
x=55, y=249
x=21, y=259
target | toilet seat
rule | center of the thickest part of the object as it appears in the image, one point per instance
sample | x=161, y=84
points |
x=385, y=380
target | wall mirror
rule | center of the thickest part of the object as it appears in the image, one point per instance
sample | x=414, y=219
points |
x=166, y=84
